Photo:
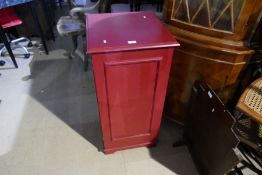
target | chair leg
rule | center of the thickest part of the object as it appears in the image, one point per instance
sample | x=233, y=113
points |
x=137, y=5
x=157, y=5
x=161, y=4
x=48, y=17
x=7, y=45
x=86, y=56
x=238, y=171
x=74, y=39
x=247, y=162
x=131, y=2
x=60, y=3
x=86, y=64
x=37, y=24
x=53, y=4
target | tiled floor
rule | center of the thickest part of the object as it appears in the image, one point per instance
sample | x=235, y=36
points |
x=50, y=124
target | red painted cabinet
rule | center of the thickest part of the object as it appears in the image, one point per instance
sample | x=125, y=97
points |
x=131, y=57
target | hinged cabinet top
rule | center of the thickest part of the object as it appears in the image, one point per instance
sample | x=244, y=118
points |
x=112, y=32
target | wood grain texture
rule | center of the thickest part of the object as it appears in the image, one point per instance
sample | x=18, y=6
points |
x=131, y=79
x=215, y=56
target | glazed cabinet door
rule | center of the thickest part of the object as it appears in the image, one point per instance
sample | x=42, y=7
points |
x=219, y=18
x=131, y=88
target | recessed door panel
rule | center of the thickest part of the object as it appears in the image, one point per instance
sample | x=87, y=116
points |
x=131, y=87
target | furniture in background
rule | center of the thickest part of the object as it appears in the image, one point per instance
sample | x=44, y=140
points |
x=130, y=6
x=213, y=37
x=159, y=5
x=5, y=23
x=74, y=26
x=31, y=3
x=8, y=19
x=208, y=132
x=45, y=12
x=6, y=4
x=131, y=71
x=48, y=17
x=248, y=125
x=134, y=5
x=254, y=69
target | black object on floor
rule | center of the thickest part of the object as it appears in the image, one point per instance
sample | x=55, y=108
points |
x=2, y=63
x=208, y=132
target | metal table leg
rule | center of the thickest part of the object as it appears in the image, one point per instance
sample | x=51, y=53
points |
x=37, y=24
x=69, y=3
x=48, y=17
x=7, y=45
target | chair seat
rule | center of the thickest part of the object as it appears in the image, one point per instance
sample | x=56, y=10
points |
x=8, y=18
x=251, y=101
x=69, y=26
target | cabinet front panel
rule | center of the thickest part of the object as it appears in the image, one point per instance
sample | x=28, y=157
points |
x=131, y=87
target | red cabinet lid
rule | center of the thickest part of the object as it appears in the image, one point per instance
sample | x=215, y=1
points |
x=111, y=32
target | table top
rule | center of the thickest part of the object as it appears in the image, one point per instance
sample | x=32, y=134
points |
x=112, y=32
x=9, y=3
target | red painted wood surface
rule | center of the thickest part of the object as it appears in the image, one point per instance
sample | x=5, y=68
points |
x=8, y=18
x=112, y=31
x=131, y=79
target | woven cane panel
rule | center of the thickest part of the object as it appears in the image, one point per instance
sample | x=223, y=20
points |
x=249, y=129
x=254, y=98
x=243, y=128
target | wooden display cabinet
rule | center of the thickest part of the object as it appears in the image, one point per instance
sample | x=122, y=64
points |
x=213, y=35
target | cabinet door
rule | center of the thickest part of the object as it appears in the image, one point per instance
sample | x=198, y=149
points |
x=131, y=88
x=227, y=19
x=212, y=14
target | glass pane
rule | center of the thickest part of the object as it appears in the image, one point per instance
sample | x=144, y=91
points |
x=176, y=5
x=182, y=11
x=238, y=4
x=222, y=14
x=216, y=8
x=224, y=23
x=194, y=6
x=201, y=17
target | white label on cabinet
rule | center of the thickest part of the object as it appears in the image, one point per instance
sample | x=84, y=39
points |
x=131, y=42
x=209, y=94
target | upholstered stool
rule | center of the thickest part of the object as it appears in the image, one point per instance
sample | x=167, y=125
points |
x=74, y=26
